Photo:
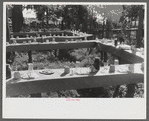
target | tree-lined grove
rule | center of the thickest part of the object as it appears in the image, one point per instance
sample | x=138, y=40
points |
x=93, y=19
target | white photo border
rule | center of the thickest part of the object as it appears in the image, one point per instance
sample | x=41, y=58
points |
x=86, y=108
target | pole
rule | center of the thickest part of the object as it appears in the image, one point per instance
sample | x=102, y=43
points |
x=29, y=56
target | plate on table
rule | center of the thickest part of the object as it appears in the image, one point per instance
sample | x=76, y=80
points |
x=121, y=70
x=29, y=76
x=83, y=71
x=46, y=72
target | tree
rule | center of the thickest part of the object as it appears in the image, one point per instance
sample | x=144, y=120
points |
x=72, y=16
x=75, y=16
x=107, y=15
x=133, y=13
x=17, y=18
x=48, y=12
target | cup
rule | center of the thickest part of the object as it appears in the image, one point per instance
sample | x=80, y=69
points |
x=34, y=39
x=12, y=36
x=106, y=41
x=132, y=47
x=38, y=35
x=14, y=41
x=17, y=75
x=142, y=51
x=112, y=69
x=102, y=41
x=131, y=68
x=24, y=42
x=66, y=70
x=53, y=39
x=122, y=43
x=118, y=43
x=27, y=36
x=71, y=72
x=29, y=41
x=7, y=43
x=116, y=62
x=47, y=41
x=142, y=66
x=30, y=66
x=134, y=51
x=105, y=65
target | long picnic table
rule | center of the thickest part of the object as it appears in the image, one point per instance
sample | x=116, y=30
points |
x=82, y=79
x=36, y=33
x=50, y=38
x=125, y=54
x=49, y=45
x=108, y=48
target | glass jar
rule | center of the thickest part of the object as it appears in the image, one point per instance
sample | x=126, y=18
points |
x=34, y=40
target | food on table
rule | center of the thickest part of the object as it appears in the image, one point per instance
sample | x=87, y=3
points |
x=29, y=75
x=46, y=72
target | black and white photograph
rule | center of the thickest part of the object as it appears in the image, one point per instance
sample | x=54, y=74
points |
x=78, y=54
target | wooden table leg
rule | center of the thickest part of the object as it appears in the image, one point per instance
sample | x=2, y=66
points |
x=30, y=61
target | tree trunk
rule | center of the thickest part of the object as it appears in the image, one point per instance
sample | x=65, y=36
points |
x=108, y=30
x=140, y=28
x=10, y=56
x=17, y=18
x=7, y=27
x=103, y=30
